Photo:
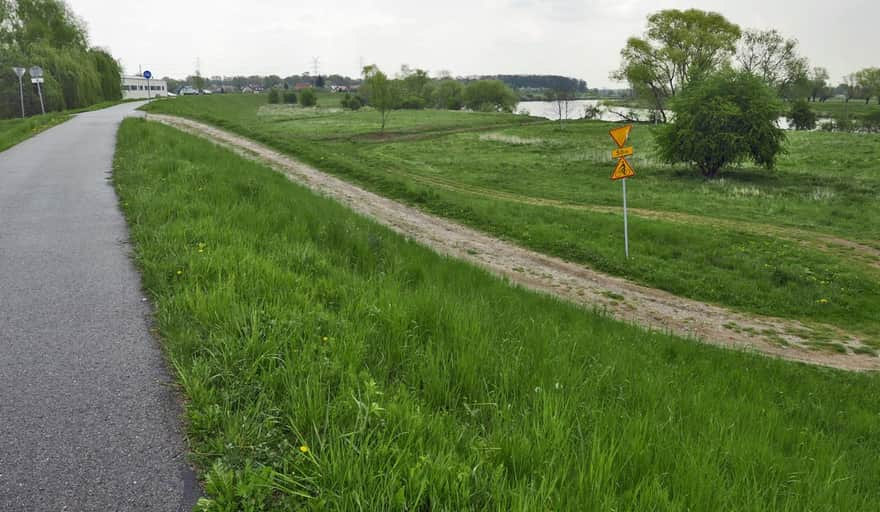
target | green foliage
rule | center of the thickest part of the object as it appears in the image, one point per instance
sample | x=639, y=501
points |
x=679, y=47
x=274, y=96
x=723, y=119
x=868, y=80
x=412, y=103
x=421, y=383
x=774, y=59
x=289, y=97
x=449, y=95
x=802, y=116
x=416, y=89
x=489, y=96
x=46, y=33
x=307, y=98
x=383, y=94
x=352, y=102
x=871, y=121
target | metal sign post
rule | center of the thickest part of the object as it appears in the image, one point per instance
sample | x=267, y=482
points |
x=19, y=72
x=622, y=171
x=625, y=226
x=148, y=75
x=36, y=73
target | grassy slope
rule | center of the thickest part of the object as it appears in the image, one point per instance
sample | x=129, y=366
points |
x=420, y=382
x=820, y=186
x=13, y=131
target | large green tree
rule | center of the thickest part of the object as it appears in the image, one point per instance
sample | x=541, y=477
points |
x=46, y=33
x=774, y=59
x=490, y=96
x=868, y=80
x=678, y=48
x=721, y=119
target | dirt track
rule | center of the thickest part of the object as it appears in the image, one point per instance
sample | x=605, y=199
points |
x=624, y=300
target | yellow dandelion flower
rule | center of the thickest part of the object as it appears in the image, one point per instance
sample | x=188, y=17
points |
x=180, y=272
x=304, y=449
x=325, y=338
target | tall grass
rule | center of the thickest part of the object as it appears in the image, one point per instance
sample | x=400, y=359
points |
x=486, y=181
x=330, y=364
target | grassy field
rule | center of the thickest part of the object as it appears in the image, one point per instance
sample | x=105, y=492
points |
x=13, y=131
x=752, y=240
x=329, y=364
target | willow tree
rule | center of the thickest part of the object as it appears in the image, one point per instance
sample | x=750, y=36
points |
x=678, y=48
x=48, y=34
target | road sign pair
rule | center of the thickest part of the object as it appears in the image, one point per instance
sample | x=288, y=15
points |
x=623, y=169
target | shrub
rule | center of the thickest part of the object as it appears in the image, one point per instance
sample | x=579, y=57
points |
x=352, y=102
x=724, y=118
x=449, y=95
x=307, y=98
x=802, y=116
x=274, y=96
x=290, y=97
x=413, y=103
x=871, y=122
x=489, y=96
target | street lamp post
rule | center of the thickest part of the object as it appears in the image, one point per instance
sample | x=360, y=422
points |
x=19, y=72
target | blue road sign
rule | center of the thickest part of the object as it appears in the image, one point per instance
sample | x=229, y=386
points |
x=148, y=75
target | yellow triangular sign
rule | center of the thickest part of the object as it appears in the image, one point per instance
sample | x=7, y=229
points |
x=623, y=170
x=621, y=134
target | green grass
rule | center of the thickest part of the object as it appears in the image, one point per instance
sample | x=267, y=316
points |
x=421, y=383
x=13, y=131
x=750, y=240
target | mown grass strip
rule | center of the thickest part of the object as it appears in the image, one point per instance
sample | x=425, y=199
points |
x=13, y=131
x=330, y=364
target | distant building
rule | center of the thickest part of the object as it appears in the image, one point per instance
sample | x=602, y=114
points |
x=135, y=88
x=302, y=85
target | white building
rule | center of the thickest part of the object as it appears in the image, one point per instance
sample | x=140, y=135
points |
x=135, y=88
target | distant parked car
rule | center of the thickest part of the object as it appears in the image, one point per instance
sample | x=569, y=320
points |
x=187, y=91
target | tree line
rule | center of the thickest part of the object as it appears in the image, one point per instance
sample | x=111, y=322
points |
x=414, y=89
x=48, y=34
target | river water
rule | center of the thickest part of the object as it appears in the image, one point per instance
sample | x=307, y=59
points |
x=578, y=108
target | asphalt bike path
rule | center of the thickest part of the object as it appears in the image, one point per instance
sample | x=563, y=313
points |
x=88, y=416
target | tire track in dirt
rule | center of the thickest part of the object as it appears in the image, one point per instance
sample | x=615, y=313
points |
x=621, y=299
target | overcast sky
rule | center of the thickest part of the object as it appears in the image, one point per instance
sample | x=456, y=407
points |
x=579, y=38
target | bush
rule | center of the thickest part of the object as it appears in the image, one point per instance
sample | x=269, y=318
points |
x=871, y=122
x=725, y=118
x=289, y=97
x=307, y=98
x=413, y=103
x=490, y=96
x=449, y=95
x=802, y=116
x=352, y=102
x=274, y=96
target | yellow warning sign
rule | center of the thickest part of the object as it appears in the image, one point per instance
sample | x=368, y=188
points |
x=621, y=134
x=623, y=170
x=622, y=152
